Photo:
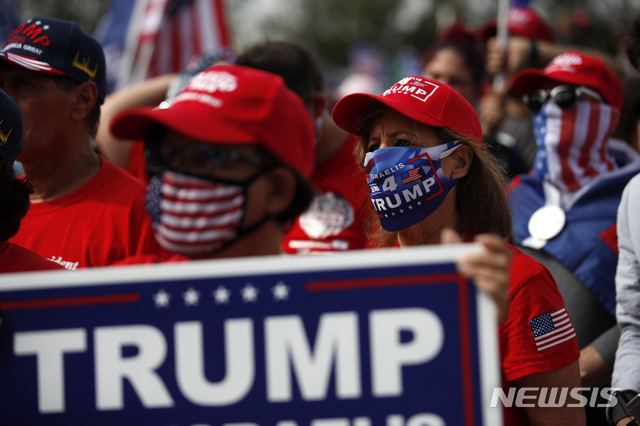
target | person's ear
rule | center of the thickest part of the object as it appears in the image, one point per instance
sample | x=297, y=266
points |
x=460, y=161
x=85, y=97
x=281, y=190
x=317, y=105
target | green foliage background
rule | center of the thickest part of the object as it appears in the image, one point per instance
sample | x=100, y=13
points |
x=331, y=27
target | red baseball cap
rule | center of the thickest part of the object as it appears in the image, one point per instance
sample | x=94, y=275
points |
x=573, y=68
x=231, y=104
x=426, y=101
x=521, y=21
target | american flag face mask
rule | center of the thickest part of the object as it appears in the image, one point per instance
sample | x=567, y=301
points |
x=572, y=143
x=193, y=216
x=407, y=184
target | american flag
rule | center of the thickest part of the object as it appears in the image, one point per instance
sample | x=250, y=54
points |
x=573, y=144
x=146, y=38
x=194, y=214
x=411, y=176
x=551, y=329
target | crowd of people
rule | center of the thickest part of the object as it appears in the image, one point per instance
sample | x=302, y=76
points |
x=240, y=155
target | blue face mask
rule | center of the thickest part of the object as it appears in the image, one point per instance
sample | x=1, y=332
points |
x=408, y=184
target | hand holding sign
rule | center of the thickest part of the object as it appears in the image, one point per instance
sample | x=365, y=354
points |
x=489, y=268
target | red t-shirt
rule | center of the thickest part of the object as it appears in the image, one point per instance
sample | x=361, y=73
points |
x=534, y=296
x=146, y=259
x=14, y=258
x=335, y=220
x=103, y=221
x=137, y=162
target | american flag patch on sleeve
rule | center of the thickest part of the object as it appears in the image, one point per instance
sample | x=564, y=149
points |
x=551, y=329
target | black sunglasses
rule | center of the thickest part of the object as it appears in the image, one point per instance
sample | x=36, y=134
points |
x=197, y=159
x=564, y=96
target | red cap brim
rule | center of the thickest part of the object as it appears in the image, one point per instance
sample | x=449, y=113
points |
x=138, y=123
x=526, y=81
x=348, y=109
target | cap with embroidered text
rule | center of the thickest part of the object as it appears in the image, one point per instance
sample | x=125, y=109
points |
x=57, y=47
x=231, y=104
x=426, y=101
x=573, y=68
x=10, y=128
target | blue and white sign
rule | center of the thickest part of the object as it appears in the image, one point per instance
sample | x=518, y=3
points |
x=393, y=338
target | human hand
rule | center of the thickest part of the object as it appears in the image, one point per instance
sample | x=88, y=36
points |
x=491, y=112
x=514, y=58
x=594, y=371
x=489, y=268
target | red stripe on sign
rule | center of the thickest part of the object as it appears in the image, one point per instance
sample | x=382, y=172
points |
x=380, y=282
x=70, y=301
x=465, y=352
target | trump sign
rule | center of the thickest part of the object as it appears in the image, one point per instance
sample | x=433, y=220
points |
x=394, y=338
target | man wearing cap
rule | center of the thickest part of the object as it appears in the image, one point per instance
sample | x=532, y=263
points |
x=334, y=219
x=14, y=194
x=230, y=158
x=84, y=211
x=505, y=119
x=565, y=209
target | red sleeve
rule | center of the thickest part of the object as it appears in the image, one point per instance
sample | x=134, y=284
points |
x=537, y=335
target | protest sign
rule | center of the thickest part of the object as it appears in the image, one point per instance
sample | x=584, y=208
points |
x=393, y=337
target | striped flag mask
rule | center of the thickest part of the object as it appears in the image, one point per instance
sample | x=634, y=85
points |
x=572, y=143
x=193, y=216
x=407, y=184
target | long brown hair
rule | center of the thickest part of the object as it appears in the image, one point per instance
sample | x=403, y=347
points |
x=481, y=201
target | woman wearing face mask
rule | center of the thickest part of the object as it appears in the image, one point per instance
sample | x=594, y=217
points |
x=420, y=145
x=565, y=209
x=230, y=159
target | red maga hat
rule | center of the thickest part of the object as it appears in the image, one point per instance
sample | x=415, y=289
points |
x=426, y=101
x=573, y=68
x=521, y=21
x=231, y=104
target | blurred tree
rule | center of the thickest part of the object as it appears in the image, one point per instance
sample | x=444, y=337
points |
x=332, y=27
x=86, y=13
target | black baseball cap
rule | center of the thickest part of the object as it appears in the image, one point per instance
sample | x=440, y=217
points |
x=57, y=47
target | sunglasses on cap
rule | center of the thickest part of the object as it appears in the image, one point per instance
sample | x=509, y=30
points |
x=197, y=159
x=563, y=96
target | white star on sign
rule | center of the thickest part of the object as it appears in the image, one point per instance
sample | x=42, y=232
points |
x=161, y=298
x=46, y=27
x=280, y=291
x=249, y=293
x=191, y=297
x=221, y=295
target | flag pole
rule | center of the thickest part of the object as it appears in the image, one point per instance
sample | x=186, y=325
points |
x=146, y=20
x=502, y=35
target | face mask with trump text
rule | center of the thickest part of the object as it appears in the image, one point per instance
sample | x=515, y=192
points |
x=407, y=184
